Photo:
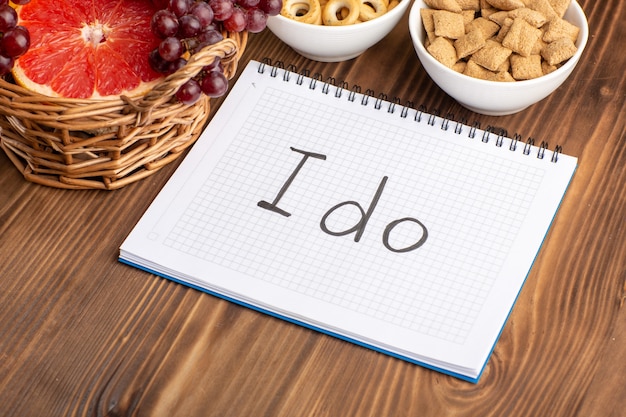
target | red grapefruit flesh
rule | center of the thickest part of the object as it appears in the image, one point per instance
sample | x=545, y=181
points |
x=87, y=49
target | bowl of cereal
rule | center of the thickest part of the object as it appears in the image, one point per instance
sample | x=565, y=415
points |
x=335, y=30
x=499, y=61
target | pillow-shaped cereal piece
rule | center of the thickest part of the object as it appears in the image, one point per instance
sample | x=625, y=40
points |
x=506, y=4
x=560, y=28
x=486, y=26
x=486, y=9
x=472, y=69
x=443, y=51
x=449, y=25
x=469, y=4
x=499, y=17
x=560, y=6
x=492, y=55
x=429, y=24
x=538, y=47
x=535, y=18
x=459, y=66
x=547, y=68
x=542, y=6
x=450, y=5
x=503, y=76
x=521, y=37
x=469, y=43
x=526, y=67
x=468, y=17
x=504, y=29
x=505, y=67
x=558, y=51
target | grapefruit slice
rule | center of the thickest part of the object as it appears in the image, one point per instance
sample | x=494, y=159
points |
x=87, y=49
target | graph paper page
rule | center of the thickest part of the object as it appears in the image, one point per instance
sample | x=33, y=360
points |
x=357, y=217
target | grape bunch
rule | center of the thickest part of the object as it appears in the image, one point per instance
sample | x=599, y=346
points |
x=14, y=39
x=187, y=26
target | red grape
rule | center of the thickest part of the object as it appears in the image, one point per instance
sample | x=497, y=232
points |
x=171, y=48
x=179, y=7
x=15, y=42
x=214, y=84
x=247, y=4
x=189, y=26
x=8, y=18
x=157, y=62
x=203, y=12
x=176, y=65
x=257, y=20
x=237, y=20
x=6, y=64
x=164, y=23
x=189, y=92
x=222, y=9
x=271, y=7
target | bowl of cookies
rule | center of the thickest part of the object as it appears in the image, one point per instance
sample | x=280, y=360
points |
x=335, y=30
x=497, y=57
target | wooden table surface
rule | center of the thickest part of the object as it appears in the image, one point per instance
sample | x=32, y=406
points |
x=84, y=335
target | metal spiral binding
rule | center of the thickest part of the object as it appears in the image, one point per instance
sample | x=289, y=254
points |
x=431, y=117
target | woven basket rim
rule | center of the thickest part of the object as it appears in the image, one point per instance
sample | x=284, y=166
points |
x=107, y=143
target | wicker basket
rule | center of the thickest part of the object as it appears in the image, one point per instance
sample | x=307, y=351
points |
x=107, y=144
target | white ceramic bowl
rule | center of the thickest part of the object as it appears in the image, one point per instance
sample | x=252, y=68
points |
x=492, y=97
x=335, y=43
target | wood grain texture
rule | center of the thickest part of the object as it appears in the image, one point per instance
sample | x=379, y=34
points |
x=83, y=335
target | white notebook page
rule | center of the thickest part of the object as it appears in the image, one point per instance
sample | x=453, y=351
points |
x=387, y=231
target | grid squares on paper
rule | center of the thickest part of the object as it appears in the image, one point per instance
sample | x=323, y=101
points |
x=437, y=290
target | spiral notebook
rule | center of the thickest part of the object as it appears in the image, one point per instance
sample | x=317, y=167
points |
x=377, y=223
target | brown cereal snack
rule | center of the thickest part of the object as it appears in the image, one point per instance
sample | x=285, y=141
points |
x=450, y=5
x=558, y=51
x=504, y=29
x=469, y=4
x=443, y=51
x=547, y=68
x=521, y=37
x=460, y=66
x=503, y=76
x=559, y=28
x=469, y=43
x=429, y=24
x=506, y=4
x=542, y=6
x=468, y=16
x=492, y=55
x=560, y=6
x=526, y=67
x=486, y=9
x=500, y=40
x=472, y=69
x=535, y=18
x=486, y=26
x=448, y=24
x=499, y=17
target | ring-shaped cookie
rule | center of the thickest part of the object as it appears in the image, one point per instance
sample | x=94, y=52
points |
x=371, y=9
x=332, y=16
x=305, y=11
